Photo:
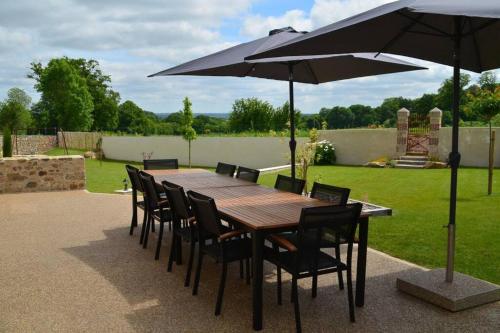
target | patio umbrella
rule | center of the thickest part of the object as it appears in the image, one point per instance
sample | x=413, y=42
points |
x=460, y=33
x=305, y=69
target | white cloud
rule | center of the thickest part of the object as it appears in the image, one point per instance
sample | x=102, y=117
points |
x=256, y=26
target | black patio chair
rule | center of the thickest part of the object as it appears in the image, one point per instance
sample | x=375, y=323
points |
x=225, y=169
x=285, y=183
x=184, y=227
x=135, y=182
x=164, y=164
x=305, y=259
x=158, y=209
x=227, y=245
x=336, y=196
x=251, y=175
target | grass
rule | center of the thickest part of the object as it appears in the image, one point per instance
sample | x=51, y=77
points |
x=419, y=199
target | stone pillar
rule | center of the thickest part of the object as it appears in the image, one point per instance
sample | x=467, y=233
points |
x=402, y=136
x=435, y=124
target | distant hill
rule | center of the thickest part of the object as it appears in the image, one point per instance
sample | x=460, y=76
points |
x=210, y=114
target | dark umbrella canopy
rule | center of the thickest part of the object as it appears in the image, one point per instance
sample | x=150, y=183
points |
x=308, y=69
x=415, y=28
x=461, y=33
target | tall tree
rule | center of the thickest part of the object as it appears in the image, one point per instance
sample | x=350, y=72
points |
x=444, y=97
x=250, y=114
x=14, y=112
x=65, y=94
x=485, y=103
x=188, y=133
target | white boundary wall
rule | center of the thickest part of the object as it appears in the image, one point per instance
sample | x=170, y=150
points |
x=253, y=152
x=353, y=147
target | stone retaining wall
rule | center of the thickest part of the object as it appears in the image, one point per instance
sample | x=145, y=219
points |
x=41, y=173
x=31, y=144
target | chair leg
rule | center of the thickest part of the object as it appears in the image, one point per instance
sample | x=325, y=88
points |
x=296, y=305
x=350, y=296
x=190, y=263
x=146, y=233
x=247, y=269
x=153, y=225
x=222, y=284
x=143, y=229
x=278, y=269
x=241, y=269
x=172, y=253
x=198, y=272
x=158, y=243
x=314, y=285
x=339, y=271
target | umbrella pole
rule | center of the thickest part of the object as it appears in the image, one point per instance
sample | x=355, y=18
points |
x=454, y=157
x=292, y=143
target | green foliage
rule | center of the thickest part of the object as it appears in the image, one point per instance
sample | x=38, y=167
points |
x=14, y=112
x=65, y=94
x=250, y=114
x=134, y=120
x=325, y=153
x=444, y=97
x=205, y=124
x=188, y=132
x=7, y=143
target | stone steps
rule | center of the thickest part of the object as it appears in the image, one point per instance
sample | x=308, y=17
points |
x=412, y=161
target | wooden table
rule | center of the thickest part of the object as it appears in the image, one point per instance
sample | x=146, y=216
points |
x=263, y=211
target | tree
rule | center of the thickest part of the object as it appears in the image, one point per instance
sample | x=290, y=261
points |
x=486, y=104
x=7, y=143
x=250, y=114
x=339, y=117
x=131, y=118
x=444, y=97
x=105, y=101
x=188, y=133
x=65, y=94
x=14, y=112
x=363, y=115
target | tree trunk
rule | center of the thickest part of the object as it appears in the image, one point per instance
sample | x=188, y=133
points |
x=189, y=154
x=491, y=161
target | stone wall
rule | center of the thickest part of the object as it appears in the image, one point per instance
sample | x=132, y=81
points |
x=31, y=144
x=41, y=173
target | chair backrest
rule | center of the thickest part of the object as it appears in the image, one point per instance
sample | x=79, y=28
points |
x=148, y=183
x=285, y=183
x=342, y=220
x=133, y=174
x=333, y=194
x=206, y=214
x=177, y=200
x=225, y=169
x=164, y=164
x=251, y=175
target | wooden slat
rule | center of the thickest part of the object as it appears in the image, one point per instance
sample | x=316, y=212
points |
x=192, y=179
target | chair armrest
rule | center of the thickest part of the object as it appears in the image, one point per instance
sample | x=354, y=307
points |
x=163, y=203
x=231, y=234
x=191, y=221
x=283, y=242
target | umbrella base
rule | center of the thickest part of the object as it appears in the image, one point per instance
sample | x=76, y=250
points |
x=463, y=293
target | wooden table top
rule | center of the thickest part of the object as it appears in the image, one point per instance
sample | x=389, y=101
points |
x=254, y=206
x=193, y=179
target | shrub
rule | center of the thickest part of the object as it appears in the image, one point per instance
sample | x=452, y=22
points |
x=7, y=143
x=325, y=153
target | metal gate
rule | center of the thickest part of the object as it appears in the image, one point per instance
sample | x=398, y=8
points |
x=418, y=134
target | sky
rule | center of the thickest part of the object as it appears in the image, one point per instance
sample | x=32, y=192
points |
x=132, y=39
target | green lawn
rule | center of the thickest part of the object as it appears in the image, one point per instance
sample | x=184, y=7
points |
x=419, y=199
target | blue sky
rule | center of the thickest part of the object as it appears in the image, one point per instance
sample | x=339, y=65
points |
x=132, y=39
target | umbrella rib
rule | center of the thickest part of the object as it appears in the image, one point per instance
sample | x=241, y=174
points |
x=476, y=46
x=400, y=34
x=249, y=70
x=417, y=20
x=308, y=65
x=481, y=27
x=425, y=33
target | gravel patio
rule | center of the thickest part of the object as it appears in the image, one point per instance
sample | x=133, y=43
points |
x=68, y=264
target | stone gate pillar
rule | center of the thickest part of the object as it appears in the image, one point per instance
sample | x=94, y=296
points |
x=435, y=124
x=402, y=135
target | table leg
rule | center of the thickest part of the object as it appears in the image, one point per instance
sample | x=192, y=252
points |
x=361, y=267
x=258, y=263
